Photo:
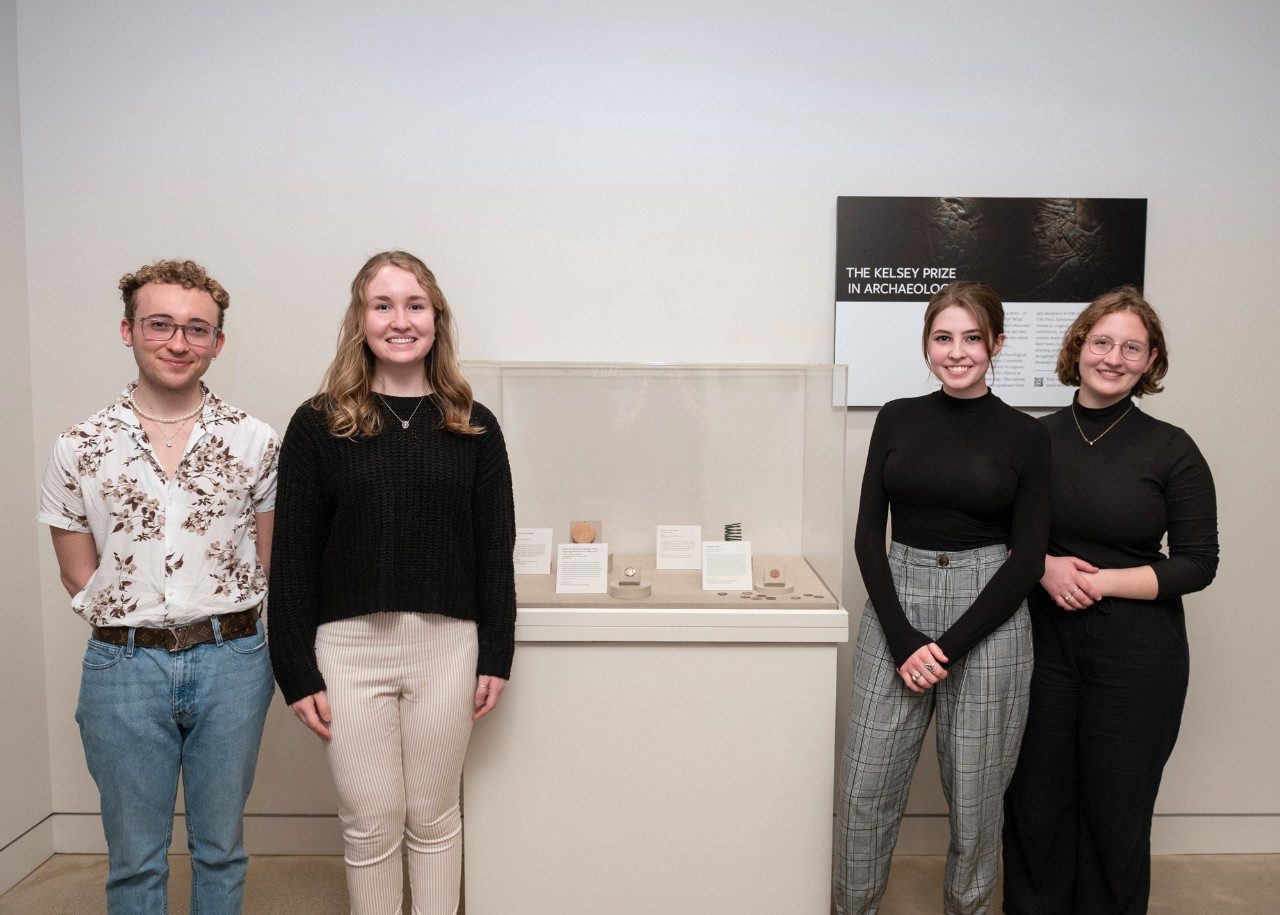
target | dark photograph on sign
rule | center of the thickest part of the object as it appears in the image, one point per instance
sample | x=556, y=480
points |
x=1045, y=258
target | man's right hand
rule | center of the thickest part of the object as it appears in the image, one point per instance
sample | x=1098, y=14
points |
x=313, y=711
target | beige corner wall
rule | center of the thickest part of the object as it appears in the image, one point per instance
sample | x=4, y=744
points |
x=26, y=829
x=657, y=182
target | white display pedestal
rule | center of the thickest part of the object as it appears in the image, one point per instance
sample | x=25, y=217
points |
x=657, y=760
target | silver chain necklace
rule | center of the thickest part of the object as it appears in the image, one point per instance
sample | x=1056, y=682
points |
x=177, y=422
x=404, y=423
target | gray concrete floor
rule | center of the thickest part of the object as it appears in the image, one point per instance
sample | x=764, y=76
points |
x=280, y=885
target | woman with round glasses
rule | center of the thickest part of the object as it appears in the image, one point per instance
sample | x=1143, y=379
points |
x=392, y=584
x=1110, y=640
x=945, y=631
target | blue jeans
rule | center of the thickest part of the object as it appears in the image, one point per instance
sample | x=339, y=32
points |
x=145, y=714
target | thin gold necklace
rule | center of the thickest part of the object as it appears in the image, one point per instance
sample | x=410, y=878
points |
x=1091, y=441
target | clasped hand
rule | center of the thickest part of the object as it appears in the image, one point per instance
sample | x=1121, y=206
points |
x=924, y=668
x=1070, y=582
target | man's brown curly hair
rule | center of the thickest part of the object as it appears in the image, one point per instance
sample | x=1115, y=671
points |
x=187, y=274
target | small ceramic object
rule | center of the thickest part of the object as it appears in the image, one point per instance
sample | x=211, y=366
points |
x=584, y=531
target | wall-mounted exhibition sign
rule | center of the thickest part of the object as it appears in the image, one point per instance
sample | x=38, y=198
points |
x=1045, y=257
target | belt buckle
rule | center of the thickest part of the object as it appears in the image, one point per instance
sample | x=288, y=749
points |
x=179, y=634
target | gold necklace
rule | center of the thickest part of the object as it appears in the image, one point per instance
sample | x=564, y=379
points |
x=1090, y=441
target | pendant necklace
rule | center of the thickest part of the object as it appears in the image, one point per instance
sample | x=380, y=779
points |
x=404, y=423
x=1091, y=441
x=176, y=422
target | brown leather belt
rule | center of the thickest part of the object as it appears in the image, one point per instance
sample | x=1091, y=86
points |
x=179, y=638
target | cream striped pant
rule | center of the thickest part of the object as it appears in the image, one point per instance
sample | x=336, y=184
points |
x=401, y=687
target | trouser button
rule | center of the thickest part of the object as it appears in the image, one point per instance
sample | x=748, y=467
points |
x=943, y=561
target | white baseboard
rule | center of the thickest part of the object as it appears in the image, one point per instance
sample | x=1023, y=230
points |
x=1226, y=834
x=264, y=834
x=1171, y=834
x=25, y=853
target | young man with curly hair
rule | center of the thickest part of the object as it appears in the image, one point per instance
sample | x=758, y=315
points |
x=161, y=509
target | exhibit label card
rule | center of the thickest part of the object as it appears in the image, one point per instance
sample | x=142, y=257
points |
x=582, y=568
x=726, y=565
x=533, y=551
x=679, y=546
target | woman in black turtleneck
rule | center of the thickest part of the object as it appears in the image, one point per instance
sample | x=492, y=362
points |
x=945, y=631
x=1110, y=640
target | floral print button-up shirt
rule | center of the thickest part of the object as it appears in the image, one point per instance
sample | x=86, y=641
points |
x=170, y=550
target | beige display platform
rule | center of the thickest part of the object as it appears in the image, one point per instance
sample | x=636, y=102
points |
x=682, y=588
x=673, y=754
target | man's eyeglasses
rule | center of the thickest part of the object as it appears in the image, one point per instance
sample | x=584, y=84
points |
x=197, y=333
x=1131, y=350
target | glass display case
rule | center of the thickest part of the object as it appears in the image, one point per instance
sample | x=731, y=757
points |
x=635, y=446
x=645, y=728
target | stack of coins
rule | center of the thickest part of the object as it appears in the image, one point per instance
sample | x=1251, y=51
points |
x=733, y=531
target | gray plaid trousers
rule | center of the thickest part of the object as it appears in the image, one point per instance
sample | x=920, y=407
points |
x=982, y=711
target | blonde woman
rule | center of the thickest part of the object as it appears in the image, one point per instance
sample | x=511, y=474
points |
x=392, y=613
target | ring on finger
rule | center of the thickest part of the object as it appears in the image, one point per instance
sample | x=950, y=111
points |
x=929, y=667
x=915, y=677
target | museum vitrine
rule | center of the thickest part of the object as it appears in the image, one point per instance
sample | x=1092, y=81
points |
x=643, y=728
x=748, y=451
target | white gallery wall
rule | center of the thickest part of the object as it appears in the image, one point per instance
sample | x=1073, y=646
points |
x=26, y=828
x=600, y=181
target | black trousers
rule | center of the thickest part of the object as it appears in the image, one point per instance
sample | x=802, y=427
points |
x=1106, y=703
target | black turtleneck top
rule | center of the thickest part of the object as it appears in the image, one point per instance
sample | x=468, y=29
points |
x=415, y=520
x=959, y=474
x=1115, y=500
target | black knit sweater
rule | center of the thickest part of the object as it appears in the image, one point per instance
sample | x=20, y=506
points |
x=1115, y=500
x=418, y=519
x=960, y=474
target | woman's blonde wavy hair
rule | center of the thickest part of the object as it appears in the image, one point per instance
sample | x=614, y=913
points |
x=346, y=394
